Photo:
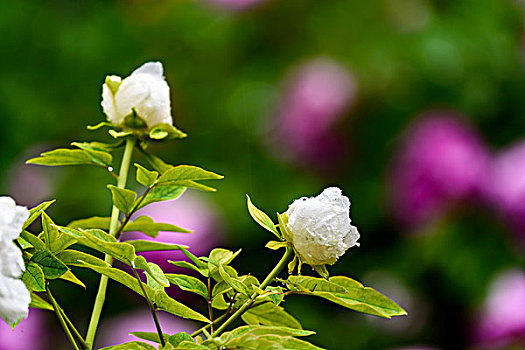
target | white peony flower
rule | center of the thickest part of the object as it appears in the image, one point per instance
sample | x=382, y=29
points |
x=14, y=296
x=320, y=227
x=145, y=90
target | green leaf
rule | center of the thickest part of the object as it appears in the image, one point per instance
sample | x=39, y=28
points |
x=161, y=193
x=321, y=270
x=63, y=156
x=35, y=212
x=229, y=275
x=356, y=297
x=156, y=163
x=24, y=244
x=274, y=245
x=157, y=274
x=149, y=336
x=187, y=172
x=97, y=146
x=311, y=284
x=273, y=294
x=187, y=265
x=123, y=199
x=189, y=284
x=134, y=345
x=34, y=240
x=272, y=342
x=220, y=256
x=146, y=177
x=264, y=337
x=148, y=246
x=178, y=338
x=70, y=277
x=102, y=242
x=195, y=260
x=283, y=226
x=262, y=218
x=51, y=266
x=55, y=241
x=101, y=223
x=191, y=345
x=270, y=314
x=154, y=276
x=266, y=330
x=33, y=278
x=163, y=301
x=146, y=225
x=77, y=258
x=38, y=302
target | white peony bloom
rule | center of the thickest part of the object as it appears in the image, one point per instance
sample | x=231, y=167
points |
x=145, y=90
x=14, y=296
x=320, y=227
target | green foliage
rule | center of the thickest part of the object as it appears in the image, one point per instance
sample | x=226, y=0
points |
x=55, y=241
x=63, y=156
x=155, y=277
x=123, y=199
x=188, y=283
x=146, y=225
x=148, y=246
x=262, y=218
x=37, y=302
x=33, y=278
x=35, y=212
x=163, y=192
x=99, y=240
x=264, y=337
x=163, y=301
x=134, y=345
x=347, y=292
x=51, y=266
x=269, y=314
x=154, y=337
x=143, y=223
x=146, y=177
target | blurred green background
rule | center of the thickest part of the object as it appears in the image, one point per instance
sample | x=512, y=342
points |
x=226, y=70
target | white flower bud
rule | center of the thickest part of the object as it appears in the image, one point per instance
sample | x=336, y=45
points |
x=14, y=296
x=145, y=90
x=320, y=227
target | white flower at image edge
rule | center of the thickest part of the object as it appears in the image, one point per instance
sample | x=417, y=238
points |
x=145, y=90
x=320, y=227
x=14, y=296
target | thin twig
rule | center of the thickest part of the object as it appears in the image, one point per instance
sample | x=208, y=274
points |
x=152, y=309
x=61, y=319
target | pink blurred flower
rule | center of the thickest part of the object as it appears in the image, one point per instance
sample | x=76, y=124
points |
x=30, y=185
x=504, y=185
x=441, y=160
x=235, y=5
x=30, y=334
x=315, y=100
x=116, y=330
x=502, y=317
x=190, y=211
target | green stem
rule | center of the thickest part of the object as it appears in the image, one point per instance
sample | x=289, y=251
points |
x=276, y=270
x=200, y=330
x=101, y=294
x=61, y=319
x=151, y=308
x=76, y=333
